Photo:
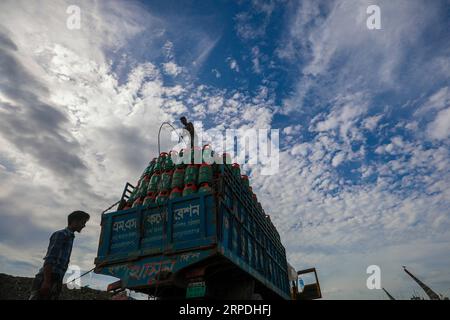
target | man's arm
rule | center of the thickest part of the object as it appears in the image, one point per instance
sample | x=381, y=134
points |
x=53, y=252
x=47, y=283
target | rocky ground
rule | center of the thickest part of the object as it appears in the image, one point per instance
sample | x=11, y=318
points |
x=18, y=288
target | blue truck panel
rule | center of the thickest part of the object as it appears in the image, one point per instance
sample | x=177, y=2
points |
x=138, y=244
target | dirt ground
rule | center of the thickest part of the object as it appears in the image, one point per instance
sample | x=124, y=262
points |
x=18, y=288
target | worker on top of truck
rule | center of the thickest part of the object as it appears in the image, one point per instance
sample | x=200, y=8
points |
x=188, y=126
x=47, y=284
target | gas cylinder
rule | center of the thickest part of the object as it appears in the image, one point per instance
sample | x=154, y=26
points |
x=235, y=168
x=178, y=178
x=191, y=174
x=189, y=189
x=205, y=174
x=168, y=164
x=159, y=166
x=154, y=181
x=245, y=181
x=162, y=197
x=166, y=180
x=176, y=193
x=143, y=187
x=208, y=154
x=205, y=188
x=137, y=202
x=150, y=198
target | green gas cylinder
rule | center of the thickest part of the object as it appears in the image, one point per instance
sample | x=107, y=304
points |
x=150, y=168
x=137, y=202
x=143, y=187
x=159, y=166
x=150, y=198
x=205, y=188
x=245, y=181
x=162, y=197
x=205, y=174
x=189, y=189
x=168, y=164
x=236, y=169
x=208, y=154
x=154, y=181
x=176, y=193
x=191, y=174
x=166, y=180
x=178, y=178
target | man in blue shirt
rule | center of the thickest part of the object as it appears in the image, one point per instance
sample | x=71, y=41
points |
x=47, y=284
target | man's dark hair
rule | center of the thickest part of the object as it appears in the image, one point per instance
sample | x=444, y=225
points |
x=78, y=216
x=183, y=118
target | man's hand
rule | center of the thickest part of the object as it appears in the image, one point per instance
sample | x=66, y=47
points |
x=45, y=289
x=47, y=283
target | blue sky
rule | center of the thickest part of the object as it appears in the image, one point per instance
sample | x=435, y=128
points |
x=364, y=120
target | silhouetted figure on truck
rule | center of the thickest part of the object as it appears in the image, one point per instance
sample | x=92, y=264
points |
x=47, y=284
x=190, y=128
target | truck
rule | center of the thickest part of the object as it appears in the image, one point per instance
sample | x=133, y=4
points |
x=208, y=245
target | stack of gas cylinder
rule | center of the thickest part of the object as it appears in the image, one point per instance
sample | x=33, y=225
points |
x=166, y=177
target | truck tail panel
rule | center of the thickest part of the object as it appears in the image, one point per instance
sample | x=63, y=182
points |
x=183, y=224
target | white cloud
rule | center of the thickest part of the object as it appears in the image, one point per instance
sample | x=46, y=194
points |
x=440, y=127
x=292, y=130
x=375, y=61
x=338, y=159
x=256, y=60
x=371, y=123
x=233, y=64
x=216, y=73
x=436, y=102
x=172, y=69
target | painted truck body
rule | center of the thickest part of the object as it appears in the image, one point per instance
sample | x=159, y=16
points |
x=219, y=240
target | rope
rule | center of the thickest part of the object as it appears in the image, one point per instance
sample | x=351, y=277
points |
x=111, y=207
x=159, y=132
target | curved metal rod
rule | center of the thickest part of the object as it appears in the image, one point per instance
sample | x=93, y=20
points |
x=159, y=133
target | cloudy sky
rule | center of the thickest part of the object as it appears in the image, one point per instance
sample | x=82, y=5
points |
x=364, y=120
